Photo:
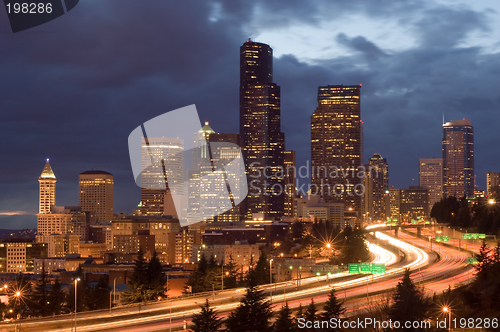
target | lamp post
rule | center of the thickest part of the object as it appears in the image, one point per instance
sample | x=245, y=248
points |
x=271, y=271
x=213, y=291
x=448, y=311
x=430, y=241
x=271, y=277
x=222, y=274
x=114, y=293
x=18, y=295
x=109, y=290
x=76, y=298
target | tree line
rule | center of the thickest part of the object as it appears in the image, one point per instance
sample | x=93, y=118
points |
x=254, y=314
x=459, y=213
x=210, y=275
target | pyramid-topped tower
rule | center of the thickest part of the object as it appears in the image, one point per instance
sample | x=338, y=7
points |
x=47, y=182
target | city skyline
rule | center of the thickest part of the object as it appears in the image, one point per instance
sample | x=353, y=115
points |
x=82, y=139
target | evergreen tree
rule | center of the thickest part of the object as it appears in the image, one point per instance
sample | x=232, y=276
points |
x=311, y=313
x=300, y=312
x=484, y=261
x=40, y=296
x=84, y=292
x=354, y=246
x=206, y=320
x=137, y=281
x=252, y=315
x=56, y=298
x=100, y=298
x=156, y=279
x=409, y=303
x=284, y=322
x=259, y=275
x=198, y=279
x=230, y=274
x=333, y=308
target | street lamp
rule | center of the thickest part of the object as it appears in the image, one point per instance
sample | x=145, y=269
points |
x=18, y=295
x=213, y=290
x=110, y=303
x=271, y=271
x=114, y=293
x=430, y=242
x=271, y=277
x=76, y=292
x=447, y=310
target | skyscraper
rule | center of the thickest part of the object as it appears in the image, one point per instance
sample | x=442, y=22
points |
x=430, y=174
x=163, y=165
x=377, y=183
x=62, y=227
x=47, y=193
x=492, y=184
x=96, y=193
x=458, y=158
x=290, y=189
x=336, y=146
x=260, y=130
x=225, y=149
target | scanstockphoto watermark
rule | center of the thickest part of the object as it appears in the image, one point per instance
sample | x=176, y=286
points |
x=331, y=180
x=337, y=323
x=373, y=323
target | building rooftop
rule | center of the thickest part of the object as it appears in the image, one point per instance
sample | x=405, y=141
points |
x=96, y=172
x=47, y=172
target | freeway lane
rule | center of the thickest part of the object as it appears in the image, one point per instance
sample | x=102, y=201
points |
x=186, y=305
x=351, y=289
x=450, y=270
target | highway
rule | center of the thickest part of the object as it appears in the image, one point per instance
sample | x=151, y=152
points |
x=360, y=292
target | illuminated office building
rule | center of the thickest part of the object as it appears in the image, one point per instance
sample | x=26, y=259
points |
x=260, y=130
x=163, y=167
x=458, y=158
x=430, y=174
x=492, y=184
x=47, y=193
x=290, y=189
x=223, y=154
x=96, y=193
x=336, y=146
x=376, y=186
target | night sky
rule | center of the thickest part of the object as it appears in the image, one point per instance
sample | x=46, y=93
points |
x=73, y=89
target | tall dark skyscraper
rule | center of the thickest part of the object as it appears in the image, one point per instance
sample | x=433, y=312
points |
x=337, y=145
x=377, y=188
x=458, y=158
x=260, y=130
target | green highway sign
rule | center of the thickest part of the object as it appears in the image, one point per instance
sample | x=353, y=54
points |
x=388, y=223
x=475, y=235
x=466, y=236
x=413, y=221
x=438, y=238
x=353, y=268
x=472, y=260
x=446, y=238
x=394, y=219
x=419, y=217
x=427, y=222
x=378, y=268
x=482, y=236
x=394, y=224
x=366, y=268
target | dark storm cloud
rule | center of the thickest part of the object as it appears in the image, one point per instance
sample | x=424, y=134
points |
x=73, y=89
x=361, y=44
